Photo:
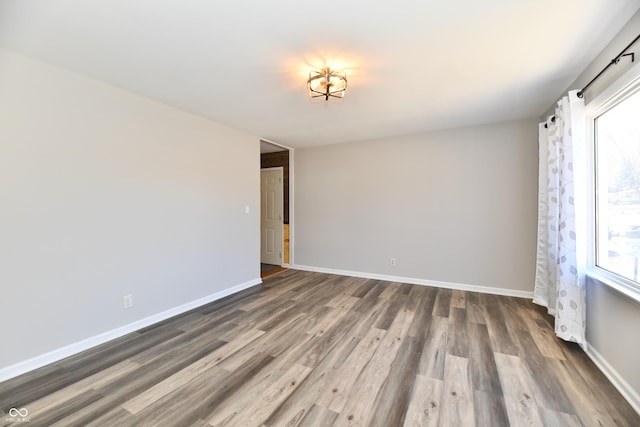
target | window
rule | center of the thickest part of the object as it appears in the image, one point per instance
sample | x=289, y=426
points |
x=617, y=139
x=615, y=120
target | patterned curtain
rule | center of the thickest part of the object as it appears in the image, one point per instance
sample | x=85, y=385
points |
x=561, y=252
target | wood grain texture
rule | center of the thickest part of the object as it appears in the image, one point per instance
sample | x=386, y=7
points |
x=341, y=384
x=519, y=391
x=312, y=349
x=490, y=409
x=457, y=394
x=426, y=401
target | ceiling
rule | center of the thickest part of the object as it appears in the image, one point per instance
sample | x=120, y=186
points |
x=413, y=66
x=267, y=147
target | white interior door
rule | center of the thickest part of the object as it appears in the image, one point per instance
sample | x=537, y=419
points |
x=271, y=216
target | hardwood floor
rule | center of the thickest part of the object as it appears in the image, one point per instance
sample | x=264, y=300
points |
x=267, y=270
x=311, y=349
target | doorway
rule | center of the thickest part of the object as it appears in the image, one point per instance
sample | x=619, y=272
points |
x=273, y=155
x=271, y=216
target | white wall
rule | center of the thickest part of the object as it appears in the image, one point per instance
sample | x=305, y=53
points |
x=105, y=193
x=455, y=206
x=613, y=319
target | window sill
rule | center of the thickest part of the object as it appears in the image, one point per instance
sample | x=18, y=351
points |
x=626, y=287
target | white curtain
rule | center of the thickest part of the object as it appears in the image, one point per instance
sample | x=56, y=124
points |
x=561, y=252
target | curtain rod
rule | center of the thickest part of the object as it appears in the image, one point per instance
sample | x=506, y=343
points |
x=614, y=61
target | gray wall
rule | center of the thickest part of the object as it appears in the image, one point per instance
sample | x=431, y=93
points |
x=105, y=193
x=613, y=319
x=455, y=206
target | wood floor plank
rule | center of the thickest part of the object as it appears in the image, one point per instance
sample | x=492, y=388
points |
x=512, y=312
x=418, y=295
x=426, y=401
x=117, y=391
x=559, y=419
x=490, y=409
x=519, y=393
x=316, y=385
x=61, y=397
x=116, y=417
x=267, y=320
x=443, y=303
x=457, y=407
x=317, y=417
x=435, y=349
x=484, y=372
x=396, y=302
x=55, y=413
x=183, y=322
x=359, y=412
x=542, y=335
x=389, y=290
x=371, y=298
x=70, y=370
x=367, y=286
x=319, y=294
x=344, y=301
x=337, y=390
x=319, y=347
x=332, y=317
x=233, y=301
x=204, y=338
x=178, y=379
x=458, y=335
x=399, y=384
x=499, y=332
x=221, y=321
x=254, y=389
x=306, y=348
x=274, y=342
x=598, y=384
x=266, y=299
x=259, y=410
x=552, y=394
x=458, y=299
x=367, y=319
x=106, y=355
x=421, y=301
x=586, y=400
x=476, y=308
x=201, y=396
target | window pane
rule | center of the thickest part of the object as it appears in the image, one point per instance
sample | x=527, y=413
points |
x=618, y=188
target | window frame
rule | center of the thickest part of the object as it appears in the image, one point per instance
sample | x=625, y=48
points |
x=625, y=86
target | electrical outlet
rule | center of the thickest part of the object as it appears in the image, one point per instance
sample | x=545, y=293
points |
x=127, y=301
x=392, y=262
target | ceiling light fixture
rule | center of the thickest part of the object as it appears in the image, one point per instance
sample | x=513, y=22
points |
x=327, y=83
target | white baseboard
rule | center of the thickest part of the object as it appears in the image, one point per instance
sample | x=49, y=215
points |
x=69, y=350
x=422, y=282
x=616, y=379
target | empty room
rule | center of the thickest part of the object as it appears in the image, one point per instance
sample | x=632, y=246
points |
x=287, y=213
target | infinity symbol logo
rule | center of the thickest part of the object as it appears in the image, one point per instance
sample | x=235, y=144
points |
x=23, y=412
